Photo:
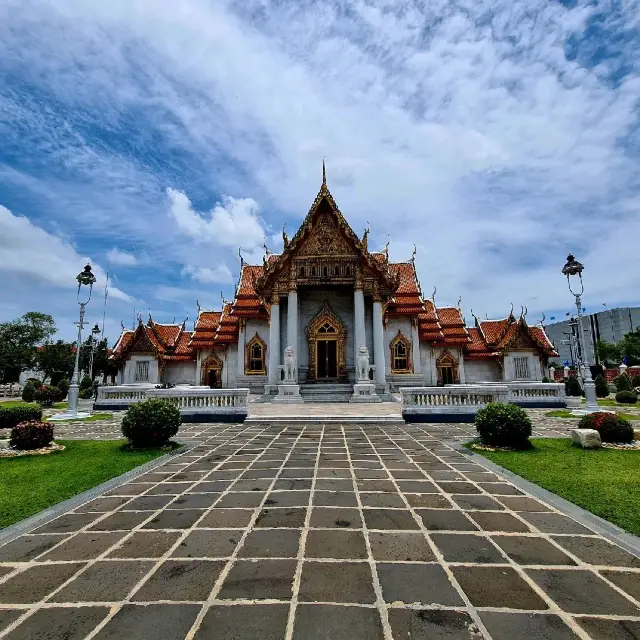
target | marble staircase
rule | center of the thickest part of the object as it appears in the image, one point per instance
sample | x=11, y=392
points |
x=326, y=392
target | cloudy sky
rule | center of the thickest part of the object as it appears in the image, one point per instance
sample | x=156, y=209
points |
x=157, y=137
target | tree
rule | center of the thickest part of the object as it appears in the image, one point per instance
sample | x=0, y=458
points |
x=18, y=341
x=100, y=357
x=56, y=356
x=602, y=388
x=609, y=353
x=630, y=346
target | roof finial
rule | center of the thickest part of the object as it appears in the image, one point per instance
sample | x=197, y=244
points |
x=511, y=312
x=241, y=258
x=324, y=173
x=412, y=259
x=285, y=237
x=223, y=300
x=459, y=303
x=365, y=237
x=386, y=248
x=266, y=249
x=433, y=296
x=122, y=325
x=198, y=305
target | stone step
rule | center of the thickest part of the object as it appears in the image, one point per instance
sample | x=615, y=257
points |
x=326, y=393
x=320, y=420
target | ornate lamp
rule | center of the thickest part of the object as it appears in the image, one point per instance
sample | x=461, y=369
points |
x=571, y=269
x=85, y=279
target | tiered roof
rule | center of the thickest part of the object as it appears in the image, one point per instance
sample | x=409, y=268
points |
x=204, y=332
x=167, y=341
x=491, y=338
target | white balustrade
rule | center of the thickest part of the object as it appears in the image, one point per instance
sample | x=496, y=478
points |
x=539, y=394
x=190, y=400
x=456, y=399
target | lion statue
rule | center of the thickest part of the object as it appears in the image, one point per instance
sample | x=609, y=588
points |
x=363, y=366
x=290, y=368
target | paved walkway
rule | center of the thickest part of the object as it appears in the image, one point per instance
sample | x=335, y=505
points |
x=318, y=533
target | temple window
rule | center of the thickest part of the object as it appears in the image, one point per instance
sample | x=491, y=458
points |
x=400, y=358
x=521, y=366
x=142, y=371
x=325, y=271
x=255, y=356
x=313, y=271
x=303, y=272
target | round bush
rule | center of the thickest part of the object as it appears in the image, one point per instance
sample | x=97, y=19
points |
x=46, y=395
x=545, y=379
x=602, y=388
x=623, y=382
x=86, y=388
x=626, y=397
x=503, y=425
x=572, y=387
x=31, y=435
x=635, y=381
x=28, y=392
x=12, y=416
x=151, y=423
x=612, y=428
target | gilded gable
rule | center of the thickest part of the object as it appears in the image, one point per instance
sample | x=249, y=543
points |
x=325, y=238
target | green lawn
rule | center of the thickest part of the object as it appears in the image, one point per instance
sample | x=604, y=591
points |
x=566, y=413
x=603, y=481
x=611, y=402
x=30, y=484
x=18, y=403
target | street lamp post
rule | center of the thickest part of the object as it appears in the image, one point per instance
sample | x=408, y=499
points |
x=95, y=332
x=574, y=268
x=87, y=279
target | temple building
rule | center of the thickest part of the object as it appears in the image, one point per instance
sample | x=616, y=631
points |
x=327, y=295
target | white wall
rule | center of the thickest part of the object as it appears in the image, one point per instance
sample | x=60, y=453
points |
x=129, y=373
x=261, y=327
x=535, y=371
x=180, y=373
x=427, y=361
x=482, y=371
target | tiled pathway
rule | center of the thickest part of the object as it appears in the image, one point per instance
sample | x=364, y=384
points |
x=314, y=533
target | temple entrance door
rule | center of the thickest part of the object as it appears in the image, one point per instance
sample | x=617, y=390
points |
x=213, y=379
x=326, y=359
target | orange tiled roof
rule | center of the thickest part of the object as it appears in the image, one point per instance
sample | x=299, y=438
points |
x=169, y=341
x=541, y=336
x=247, y=302
x=229, y=327
x=204, y=332
x=407, y=299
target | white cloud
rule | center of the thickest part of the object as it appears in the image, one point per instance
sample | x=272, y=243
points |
x=38, y=257
x=231, y=223
x=219, y=275
x=464, y=127
x=121, y=258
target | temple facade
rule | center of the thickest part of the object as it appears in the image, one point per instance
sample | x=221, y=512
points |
x=326, y=295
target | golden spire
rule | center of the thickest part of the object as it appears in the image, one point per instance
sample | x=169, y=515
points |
x=324, y=173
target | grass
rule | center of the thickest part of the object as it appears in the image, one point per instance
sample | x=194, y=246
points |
x=18, y=403
x=30, y=484
x=611, y=402
x=566, y=413
x=92, y=418
x=603, y=481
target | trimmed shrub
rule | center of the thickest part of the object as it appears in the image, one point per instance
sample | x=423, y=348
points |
x=503, y=425
x=612, y=428
x=635, y=381
x=31, y=435
x=86, y=388
x=28, y=393
x=46, y=395
x=63, y=386
x=602, y=388
x=572, y=387
x=626, y=397
x=11, y=416
x=56, y=376
x=151, y=423
x=545, y=379
x=623, y=382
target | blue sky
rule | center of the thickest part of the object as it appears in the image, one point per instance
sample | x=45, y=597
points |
x=157, y=137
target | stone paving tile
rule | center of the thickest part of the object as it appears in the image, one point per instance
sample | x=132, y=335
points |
x=359, y=533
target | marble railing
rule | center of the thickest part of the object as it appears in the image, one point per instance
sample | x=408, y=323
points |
x=197, y=400
x=540, y=394
x=456, y=399
x=200, y=404
x=121, y=395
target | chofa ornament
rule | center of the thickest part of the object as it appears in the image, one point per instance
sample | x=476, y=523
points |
x=363, y=364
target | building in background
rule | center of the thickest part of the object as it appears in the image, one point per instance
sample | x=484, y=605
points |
x=609, y=325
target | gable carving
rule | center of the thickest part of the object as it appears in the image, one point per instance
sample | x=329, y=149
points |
x=521, y=340
x=142, y=344
x=325, y=239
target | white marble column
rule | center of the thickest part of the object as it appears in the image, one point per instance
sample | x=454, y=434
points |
x=274, y=344
x=378, y=343
x=292, y=322
x=461, y=373
x=415, y=348
x=241, y=348
x=359, y=337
